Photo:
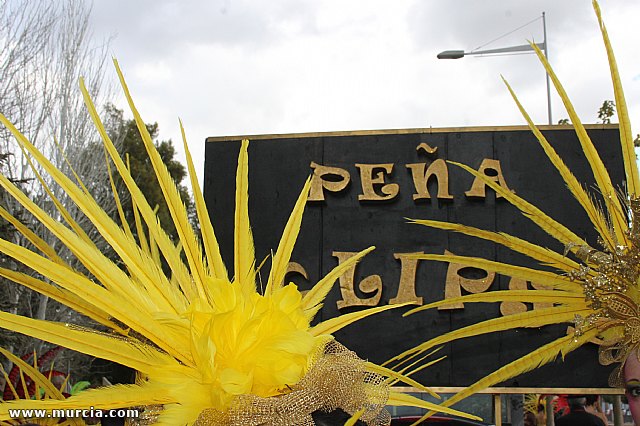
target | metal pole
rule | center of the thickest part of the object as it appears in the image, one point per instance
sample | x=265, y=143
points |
x=546, y=54
x=617, y=410
x=548, y=402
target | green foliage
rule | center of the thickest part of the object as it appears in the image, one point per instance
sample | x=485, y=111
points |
x=563, y=121
x=79, y=387
x=606, y=111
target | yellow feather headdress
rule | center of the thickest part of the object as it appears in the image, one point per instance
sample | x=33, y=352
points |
x=207, y=349
x=597, y=292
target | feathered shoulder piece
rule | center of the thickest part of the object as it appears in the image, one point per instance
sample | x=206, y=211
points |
x=208, y=348
x=598, y=291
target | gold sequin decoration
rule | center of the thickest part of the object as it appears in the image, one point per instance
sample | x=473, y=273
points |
x=607, y=278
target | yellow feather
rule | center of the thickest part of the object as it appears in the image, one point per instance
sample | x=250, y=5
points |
x=209, y=239
x=111, y=397
x=533, y=318
x=406, y=367
x=24, y=385
x=421, y=366
x=332, y=325
x=70, y=166
x=116, y=197
x=7, y=380
x=126, y=249
x=387, y=372
x=63, y=211
x=33, y=238
x=142, y=236
x=124, y=351
x=611, y=201
x=574, y=186
x=353, y=419
x=535, y=359
x=171, y=194
x=120, y=308
x=63, y=296
x=36, y=375
x=527, y=296
x=244, y=256
x=541, y=254
x=545, y=278
x=550, y=226
x=626, y=137
x=399, y=399
x=285, y=247
x=312, y=301
x=86, y=251
x=57, y=228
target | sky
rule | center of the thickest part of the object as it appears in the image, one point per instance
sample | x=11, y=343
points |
x=241, y=67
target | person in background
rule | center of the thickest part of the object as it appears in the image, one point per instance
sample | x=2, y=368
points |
x=594, y=406
x=578, y=416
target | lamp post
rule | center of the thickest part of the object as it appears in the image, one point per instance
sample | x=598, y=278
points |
x=457, y=54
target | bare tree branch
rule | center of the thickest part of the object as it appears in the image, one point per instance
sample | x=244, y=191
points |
x=45, y=47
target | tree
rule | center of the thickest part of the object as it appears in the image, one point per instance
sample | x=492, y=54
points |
x=44, y=48
x=606, y=111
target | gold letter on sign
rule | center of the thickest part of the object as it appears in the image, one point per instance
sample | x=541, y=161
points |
x=371, y=284
x=295, y=268
x=439, y=170
x=390, y=190
x=455, y=282
x=492, y=170
x=319, y=183
x=407, y=285
x=541, y=305
x=510, y=308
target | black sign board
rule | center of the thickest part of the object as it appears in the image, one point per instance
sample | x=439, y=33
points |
x=371, y=181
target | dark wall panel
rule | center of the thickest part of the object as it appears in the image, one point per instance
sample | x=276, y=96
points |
x=344, y=223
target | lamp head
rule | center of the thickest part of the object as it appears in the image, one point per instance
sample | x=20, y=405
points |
x=451, y=54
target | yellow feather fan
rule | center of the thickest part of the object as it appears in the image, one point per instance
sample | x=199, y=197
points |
x=208, y=349
x=599, y=294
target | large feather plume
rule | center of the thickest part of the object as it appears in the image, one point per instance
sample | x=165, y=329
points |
x=198, y=337
x=588, y=290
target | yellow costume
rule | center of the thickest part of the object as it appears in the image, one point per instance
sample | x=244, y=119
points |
x=208, y=349
x=596, y=289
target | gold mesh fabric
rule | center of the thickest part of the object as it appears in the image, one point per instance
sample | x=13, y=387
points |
x=148, y=415
x=338, y=379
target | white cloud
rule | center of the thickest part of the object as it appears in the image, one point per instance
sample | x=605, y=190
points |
x=246, y=67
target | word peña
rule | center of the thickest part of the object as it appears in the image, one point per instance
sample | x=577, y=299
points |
x=375, y=185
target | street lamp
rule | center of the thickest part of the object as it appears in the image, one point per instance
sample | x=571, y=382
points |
x=457, y=54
